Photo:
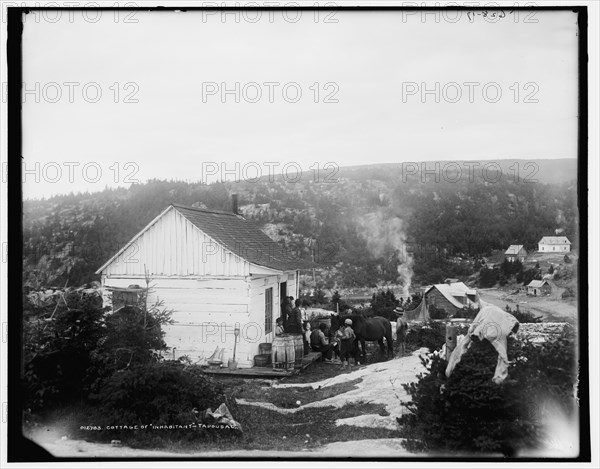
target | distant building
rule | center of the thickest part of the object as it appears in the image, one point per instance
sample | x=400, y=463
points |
x=514, y=252
x=452, y=297
x=554, y=244
x=539, y=287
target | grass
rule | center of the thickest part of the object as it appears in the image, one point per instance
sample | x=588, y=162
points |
x=263, y=429
x=288, y=397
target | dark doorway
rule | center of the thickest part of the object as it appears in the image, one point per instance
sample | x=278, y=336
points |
x=282, y=295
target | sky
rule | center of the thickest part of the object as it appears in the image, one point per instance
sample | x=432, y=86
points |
x=201, y=96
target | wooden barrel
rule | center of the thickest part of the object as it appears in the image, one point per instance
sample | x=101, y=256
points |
x=283, y=352
x=264, y=348
x=298, y=347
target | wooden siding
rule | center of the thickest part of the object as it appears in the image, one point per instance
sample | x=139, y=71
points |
x=172, y=246
x=554, y=248
x=205, y=311
x=435, y=297
x=258, y=286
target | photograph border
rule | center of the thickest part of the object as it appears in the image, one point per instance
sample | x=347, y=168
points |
x=20, y=449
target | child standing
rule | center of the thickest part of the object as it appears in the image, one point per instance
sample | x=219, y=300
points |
x=346, y=337
x=279, y=330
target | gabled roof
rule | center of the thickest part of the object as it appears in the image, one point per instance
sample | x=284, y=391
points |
x=236, y=234
x=554, y=240
x=450, y=292
x=242, y=237
x=537, y=283
x=514, y=249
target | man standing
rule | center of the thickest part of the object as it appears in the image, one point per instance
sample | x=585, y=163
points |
x=401, y=330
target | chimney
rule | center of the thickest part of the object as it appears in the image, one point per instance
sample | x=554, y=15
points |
x=234, y=203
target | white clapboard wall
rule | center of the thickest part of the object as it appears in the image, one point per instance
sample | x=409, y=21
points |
x=210, y=290
x=172, y=245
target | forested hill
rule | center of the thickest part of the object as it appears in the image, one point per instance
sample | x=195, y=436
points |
x=361, y=223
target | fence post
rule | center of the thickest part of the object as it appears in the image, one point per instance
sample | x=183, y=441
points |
x=451, y=332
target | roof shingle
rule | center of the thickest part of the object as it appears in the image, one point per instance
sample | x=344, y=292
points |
x=242, y=237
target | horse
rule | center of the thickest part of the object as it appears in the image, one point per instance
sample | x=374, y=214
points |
x=367, y=329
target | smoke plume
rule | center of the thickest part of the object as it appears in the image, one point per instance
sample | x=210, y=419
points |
x=382, y=231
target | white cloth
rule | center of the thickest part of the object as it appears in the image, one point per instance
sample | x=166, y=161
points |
x=494, y=325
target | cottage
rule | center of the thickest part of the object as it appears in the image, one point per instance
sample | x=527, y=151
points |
x=539, y=287
x=554, y=244
x=515, y=252
x=216, y=271
x=451, y=296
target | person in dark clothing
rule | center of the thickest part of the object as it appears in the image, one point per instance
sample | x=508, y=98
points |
x=294, y=325
x=286, y=310
x=346, y=336
x=319, y=344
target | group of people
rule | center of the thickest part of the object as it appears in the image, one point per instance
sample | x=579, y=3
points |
x=342, y=344
x=290, y=320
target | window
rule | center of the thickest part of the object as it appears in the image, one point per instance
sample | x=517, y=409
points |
x=268, y=310
x=129, y=296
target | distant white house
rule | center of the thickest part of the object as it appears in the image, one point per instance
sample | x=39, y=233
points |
x=554, y=244
x=539, y=287
x=514, y=252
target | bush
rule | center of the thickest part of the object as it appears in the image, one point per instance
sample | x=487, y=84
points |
x=525, y=316
x=72, y=343
x=468, y=412
x=58, y=336
x=468, y=313
x=488, y=277
x=431, y=335
x=164, y=393
x=437, y=313
x=383, y=303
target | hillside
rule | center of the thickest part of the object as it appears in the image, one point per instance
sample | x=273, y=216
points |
x=374, y=225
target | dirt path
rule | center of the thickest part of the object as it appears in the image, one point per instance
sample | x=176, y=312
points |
x=552, y=310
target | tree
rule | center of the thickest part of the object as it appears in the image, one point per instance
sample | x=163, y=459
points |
x=383, y=303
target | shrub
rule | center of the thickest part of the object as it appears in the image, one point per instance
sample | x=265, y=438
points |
x=525, y=316
x=383, y=303
x=431, y=335
x=437, y=313
x=164, y=393
x=468, y=313
x=468, y=412
x=58, y=337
